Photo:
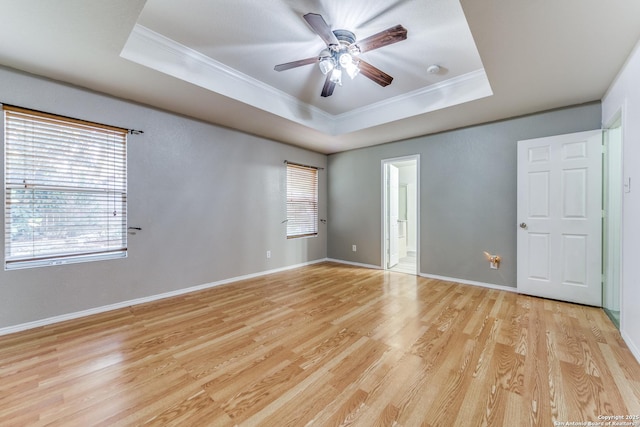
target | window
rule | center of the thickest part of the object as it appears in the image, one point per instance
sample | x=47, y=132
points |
x=302, y=201
x=65, y=190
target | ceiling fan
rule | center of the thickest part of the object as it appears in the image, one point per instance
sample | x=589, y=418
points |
x=342, y=53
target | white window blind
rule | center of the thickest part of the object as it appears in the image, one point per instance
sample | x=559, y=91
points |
x=65, y=190
x=302, y=201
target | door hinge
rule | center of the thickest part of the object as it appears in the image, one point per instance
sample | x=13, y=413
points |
x=604, y=213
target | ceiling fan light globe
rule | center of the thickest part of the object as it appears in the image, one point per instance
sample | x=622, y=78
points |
x=345, y=59
x=336, y=76
x=326, y=65
x=352, y=70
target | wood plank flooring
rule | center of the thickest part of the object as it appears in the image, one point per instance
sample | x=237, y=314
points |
x=324, y=345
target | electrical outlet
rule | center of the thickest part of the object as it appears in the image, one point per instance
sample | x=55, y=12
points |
x=268, y=254
x=353, y=248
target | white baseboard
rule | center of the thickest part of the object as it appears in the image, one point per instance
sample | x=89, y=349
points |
x=470, y=282
x=433, y=276
x=76, y=315
x=356, y=264
x=632, y=346
x=137, y=301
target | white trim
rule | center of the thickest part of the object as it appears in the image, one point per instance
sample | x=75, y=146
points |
x=470, y=282
x=356, y=264
x=418, y=213
x=465, y=88
x=617, y=116
x=143, y=300
x=383, y=163
x=160, y=53
x=383, y=209
x=153, y=50
x=433, y=276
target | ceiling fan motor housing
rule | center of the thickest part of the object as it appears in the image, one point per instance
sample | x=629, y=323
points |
x=340, y=56
x=342, y=53
x=345, y=37
x=347, y=42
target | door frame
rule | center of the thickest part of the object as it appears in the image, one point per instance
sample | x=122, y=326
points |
x=392, y=219
x=607, y=250
x=383, y=208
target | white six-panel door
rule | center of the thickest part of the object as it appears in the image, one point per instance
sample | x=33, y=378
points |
x=560, y=217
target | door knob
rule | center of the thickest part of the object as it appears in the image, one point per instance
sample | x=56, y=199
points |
x=523, y=225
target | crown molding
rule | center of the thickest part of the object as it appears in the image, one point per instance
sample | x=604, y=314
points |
x=153, y=50
x=458, y=90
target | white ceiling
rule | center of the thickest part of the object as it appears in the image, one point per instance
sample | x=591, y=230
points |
x=233, y=52
x=213, y=60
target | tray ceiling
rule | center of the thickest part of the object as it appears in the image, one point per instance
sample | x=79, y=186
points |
x=213, y=60
x=232, y=51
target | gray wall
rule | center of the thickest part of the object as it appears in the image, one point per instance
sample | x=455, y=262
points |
x=210, y=202
x=467, y=195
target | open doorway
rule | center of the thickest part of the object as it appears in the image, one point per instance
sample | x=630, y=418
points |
x=400, y=187
x=612, y=221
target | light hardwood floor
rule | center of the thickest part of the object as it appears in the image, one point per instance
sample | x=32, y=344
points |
x=324, y=345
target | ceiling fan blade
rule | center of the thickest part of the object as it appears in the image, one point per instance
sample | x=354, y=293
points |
x=294, y=64
x=383, y=38
x=321, y=28
x=329, y=86
x=373, y=73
